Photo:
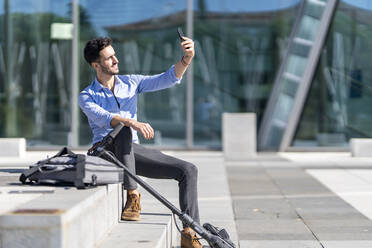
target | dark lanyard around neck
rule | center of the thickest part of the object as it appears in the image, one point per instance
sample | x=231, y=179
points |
x=116, y=99
x=114, y=93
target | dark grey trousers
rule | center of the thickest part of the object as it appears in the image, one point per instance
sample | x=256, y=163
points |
x=155, y=164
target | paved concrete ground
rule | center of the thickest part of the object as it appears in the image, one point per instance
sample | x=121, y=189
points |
x=282, y=200
x=214, y=198
x=302, y=200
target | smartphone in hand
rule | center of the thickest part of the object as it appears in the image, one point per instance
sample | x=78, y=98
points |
x=180, y=33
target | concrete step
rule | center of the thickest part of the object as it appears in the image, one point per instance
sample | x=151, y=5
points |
x=57, y=216
x=50, y=217
x=156, y=229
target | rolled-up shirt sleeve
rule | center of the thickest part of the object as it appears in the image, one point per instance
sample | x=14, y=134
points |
x=99, y=116
x=156, y=82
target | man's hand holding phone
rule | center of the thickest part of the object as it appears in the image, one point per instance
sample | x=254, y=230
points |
x=187, y=45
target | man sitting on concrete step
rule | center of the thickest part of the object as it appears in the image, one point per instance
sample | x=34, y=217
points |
x=112, y=98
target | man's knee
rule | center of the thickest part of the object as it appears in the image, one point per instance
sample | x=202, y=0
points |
x=125, y=133
x=190, y=170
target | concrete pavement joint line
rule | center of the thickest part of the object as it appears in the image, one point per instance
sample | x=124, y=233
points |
x=357, y=173
x=230, y=203
x=348, y=243
x=200, y=199
x=260, y=197
x=293, y=207
x=280, y=244
x=331, y=179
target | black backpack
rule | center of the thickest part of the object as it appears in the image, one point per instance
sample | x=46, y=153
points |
x=70, y=169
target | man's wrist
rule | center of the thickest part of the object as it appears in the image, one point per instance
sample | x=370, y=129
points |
x=130, y=122
x=186, y=60
x=126, y=121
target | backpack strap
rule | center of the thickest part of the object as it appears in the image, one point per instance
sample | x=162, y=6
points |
x=27, y=173
x=80, y=171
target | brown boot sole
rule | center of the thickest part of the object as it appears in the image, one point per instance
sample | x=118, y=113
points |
x=127, y=218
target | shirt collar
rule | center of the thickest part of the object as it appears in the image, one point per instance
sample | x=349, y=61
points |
x=97, y=86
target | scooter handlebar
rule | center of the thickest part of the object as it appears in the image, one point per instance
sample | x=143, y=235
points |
x=107, y=140
x=116, y=130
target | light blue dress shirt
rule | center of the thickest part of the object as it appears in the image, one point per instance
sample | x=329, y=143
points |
x=100, y=105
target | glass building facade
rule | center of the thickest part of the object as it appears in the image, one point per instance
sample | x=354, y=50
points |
x=241, y=50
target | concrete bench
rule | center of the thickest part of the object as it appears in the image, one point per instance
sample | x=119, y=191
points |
x=12, y=147
x=59, y=216
x=239, y=135
x=361, y=147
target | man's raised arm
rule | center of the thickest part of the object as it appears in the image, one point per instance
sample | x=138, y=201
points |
x=188, y=48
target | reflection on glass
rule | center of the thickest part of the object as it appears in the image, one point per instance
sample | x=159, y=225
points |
x=34, y=95
x=289, y=86
x=308, y=28
x=338, y=106
x=238, y=47
x=293, y=70
x=283, y=107
x=296, y=65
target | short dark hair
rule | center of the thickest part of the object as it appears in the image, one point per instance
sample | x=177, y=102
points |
x=93, y=47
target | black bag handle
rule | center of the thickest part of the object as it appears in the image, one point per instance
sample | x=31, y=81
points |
x=65, y=150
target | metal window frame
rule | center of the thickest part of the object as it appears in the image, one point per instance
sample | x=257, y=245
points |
x=189, y=80
x=73, y=139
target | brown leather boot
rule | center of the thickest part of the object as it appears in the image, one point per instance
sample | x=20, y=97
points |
x=132, y=208
x=189, y=239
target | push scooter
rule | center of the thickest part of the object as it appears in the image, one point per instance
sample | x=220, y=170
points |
x=216, y=237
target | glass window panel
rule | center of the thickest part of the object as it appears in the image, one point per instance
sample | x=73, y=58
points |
x=296, y=65
x=338, y=106
x=314, y=8
x=301, y=47
x=276, y=134
x=289, y=86
x=239, y=45
x=283, y=108
x=34, y=97
x=308, y=28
